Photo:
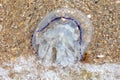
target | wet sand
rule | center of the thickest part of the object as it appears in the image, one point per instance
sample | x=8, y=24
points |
x=19, y=18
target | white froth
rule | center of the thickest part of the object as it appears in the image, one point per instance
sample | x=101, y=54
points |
x=33, y=69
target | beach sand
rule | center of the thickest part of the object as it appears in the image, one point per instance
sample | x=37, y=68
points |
x=19, y=18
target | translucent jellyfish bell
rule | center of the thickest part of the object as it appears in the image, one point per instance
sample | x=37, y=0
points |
x=62, y=36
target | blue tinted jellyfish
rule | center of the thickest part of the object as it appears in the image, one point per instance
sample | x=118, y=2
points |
x=62, y=36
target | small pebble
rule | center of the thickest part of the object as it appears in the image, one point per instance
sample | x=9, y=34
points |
x=100, y=56
x=89, y=16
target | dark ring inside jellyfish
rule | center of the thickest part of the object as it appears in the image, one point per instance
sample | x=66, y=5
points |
x=62, y=36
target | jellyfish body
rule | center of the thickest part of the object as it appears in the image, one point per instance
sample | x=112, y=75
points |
x=62, y=36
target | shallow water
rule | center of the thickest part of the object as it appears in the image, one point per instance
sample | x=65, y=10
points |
x=32, y=69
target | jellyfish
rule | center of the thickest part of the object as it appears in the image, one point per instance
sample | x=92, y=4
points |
x=62, y=36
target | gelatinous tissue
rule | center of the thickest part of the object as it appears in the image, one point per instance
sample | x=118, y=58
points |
x=62, y=36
